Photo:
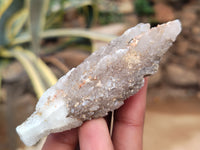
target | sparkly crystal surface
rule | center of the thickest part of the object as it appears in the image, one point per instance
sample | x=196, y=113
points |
x=102, y=82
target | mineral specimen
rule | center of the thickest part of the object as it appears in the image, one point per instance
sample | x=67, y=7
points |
x=102, y=82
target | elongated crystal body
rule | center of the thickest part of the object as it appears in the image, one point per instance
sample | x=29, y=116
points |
x=101, y=83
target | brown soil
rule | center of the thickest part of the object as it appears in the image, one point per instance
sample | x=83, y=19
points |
x=172, y=125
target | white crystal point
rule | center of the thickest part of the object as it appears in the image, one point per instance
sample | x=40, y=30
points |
x=101, y=83
x=158, y=40
x=49, y=116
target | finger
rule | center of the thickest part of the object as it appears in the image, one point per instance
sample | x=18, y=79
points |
x=66, y=140
x=129, y=122
x=94, y=134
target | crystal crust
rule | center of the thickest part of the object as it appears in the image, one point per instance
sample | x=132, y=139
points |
x=102, y=82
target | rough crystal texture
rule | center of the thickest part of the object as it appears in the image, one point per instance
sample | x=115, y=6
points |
x=101, y=83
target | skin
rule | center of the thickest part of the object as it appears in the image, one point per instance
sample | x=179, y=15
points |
x=94, y=134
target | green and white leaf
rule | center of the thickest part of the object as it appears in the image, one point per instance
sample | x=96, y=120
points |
x=40, y=75
x=8, y=9
x=75, y=32
x=4, y=4
x=16, y=23
x=37, y=14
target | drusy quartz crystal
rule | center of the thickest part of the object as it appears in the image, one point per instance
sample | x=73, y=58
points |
x=102, y=82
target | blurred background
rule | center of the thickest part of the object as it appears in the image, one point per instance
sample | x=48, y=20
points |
x=42, y=40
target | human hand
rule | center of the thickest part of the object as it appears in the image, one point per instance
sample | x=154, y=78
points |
x=94, y=134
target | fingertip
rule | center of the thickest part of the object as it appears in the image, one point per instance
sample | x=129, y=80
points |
x=62, y=140
x=94, y=134
x=134, y=106
x=129, y=122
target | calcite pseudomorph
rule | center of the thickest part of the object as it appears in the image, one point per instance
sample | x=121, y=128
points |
x=101, y=83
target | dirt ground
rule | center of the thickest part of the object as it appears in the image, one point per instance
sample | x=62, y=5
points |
x=172, y=125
